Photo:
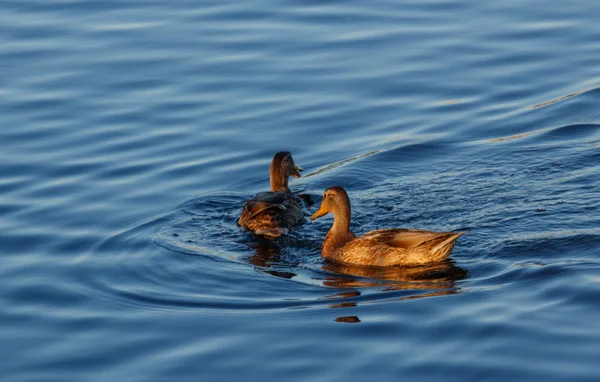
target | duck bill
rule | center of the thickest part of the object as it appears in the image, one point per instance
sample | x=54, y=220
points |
x=296, y=172
x=319, y=213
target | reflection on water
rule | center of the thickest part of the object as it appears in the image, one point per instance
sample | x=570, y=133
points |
x=546, y=103
x=437, y=279
x=436, y=276
x=440, y=277
x=429, y=280
x=348, y=319
x=267, y=254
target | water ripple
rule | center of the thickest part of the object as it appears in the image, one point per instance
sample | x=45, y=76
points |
x=134, y=131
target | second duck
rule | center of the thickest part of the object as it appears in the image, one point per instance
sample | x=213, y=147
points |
x=272, y=214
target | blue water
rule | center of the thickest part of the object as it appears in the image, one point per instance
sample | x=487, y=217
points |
x=132, y=132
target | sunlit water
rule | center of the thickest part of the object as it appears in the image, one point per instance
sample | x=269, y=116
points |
x=132, y=132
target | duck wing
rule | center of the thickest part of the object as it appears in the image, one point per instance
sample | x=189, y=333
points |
x=254, y=208
x=397, y=246
x=268, y=201
x=262, y=202
x=411, y=238
x=441, y=245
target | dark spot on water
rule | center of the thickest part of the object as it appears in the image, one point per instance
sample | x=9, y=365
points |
x=343, y=305
x=348, y=319
x=307, y=199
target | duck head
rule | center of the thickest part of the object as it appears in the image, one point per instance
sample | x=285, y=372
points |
x=282, y=167
x=335, y=200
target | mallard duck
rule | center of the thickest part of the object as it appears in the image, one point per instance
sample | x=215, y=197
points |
x=382, y=247
x=273, y=213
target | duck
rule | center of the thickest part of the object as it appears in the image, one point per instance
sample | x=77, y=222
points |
x=272, y=214
x=382, y=247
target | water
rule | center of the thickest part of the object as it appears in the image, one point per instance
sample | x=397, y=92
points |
x=133, y=131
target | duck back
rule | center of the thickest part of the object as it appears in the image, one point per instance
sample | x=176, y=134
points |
x=271, y=214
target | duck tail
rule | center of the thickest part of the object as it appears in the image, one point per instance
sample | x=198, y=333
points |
x=443, y=244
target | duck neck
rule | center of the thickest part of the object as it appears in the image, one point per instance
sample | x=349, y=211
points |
x=338, y=235
x=341, y=222
x=279, y=181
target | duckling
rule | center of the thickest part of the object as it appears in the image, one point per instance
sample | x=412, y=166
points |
x=273, y=213
x=382, y=247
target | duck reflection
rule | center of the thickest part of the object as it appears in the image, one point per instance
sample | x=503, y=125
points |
x=348, y=319
x=440, y=277
x=344, y=295
x=436, y=279
x=308, y=199
x=267, y=254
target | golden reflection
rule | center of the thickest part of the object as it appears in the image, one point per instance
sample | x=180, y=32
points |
x=343, y=305
x=519, y=136
x=437, y=279
x=516, y=136
x=348, y=319
x=546, y=103
x=428, y=280
x=440, y=277
x=453, y=101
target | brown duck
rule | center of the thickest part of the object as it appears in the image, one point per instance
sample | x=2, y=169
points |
x=383, y=247
x=273, y=213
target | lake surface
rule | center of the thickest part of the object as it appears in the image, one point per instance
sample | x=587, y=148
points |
x=133, y=131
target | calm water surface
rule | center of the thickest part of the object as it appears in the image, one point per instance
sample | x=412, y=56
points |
x=132, y=132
